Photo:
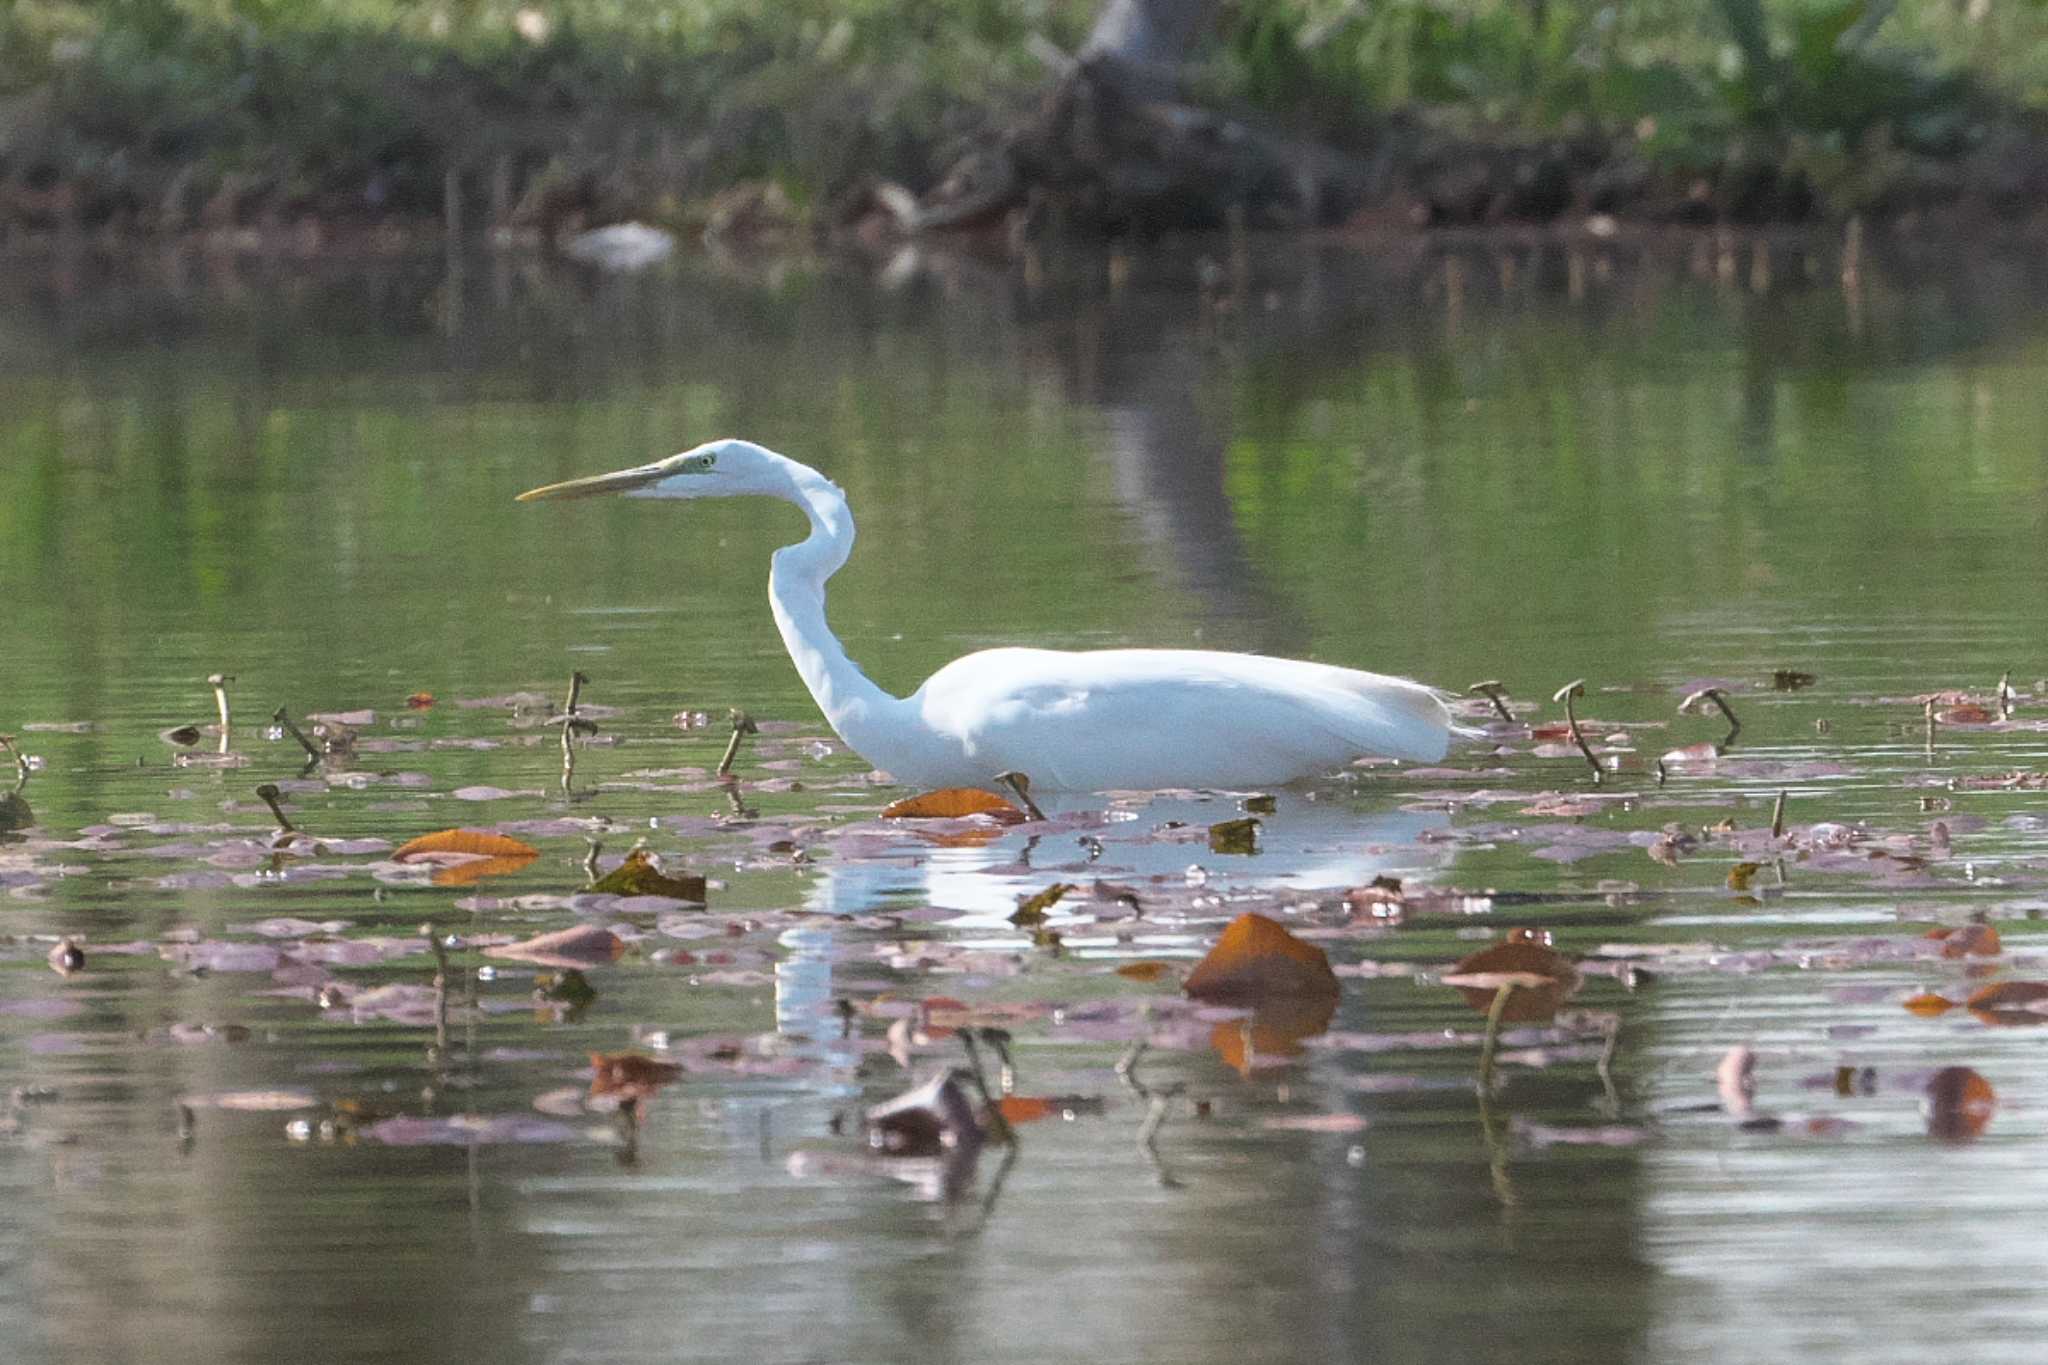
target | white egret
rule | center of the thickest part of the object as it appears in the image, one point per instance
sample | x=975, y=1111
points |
x=1089, y=720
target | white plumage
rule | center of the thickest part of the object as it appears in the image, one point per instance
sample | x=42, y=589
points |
x=1089, y=720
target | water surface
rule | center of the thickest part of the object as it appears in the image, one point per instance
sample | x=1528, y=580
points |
x=1480, y=462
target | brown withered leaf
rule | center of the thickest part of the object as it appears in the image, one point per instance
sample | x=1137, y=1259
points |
x=1928, y=1004
x=1257, y=959
x=472, y=843
x=951, y=803
x=1143, y=971
x=584, y=945
x=629, y=1075
x=1792, y=680
x=1967, y=940
x=2010, y=1002
x=419, y=701
x=1960, y=1103
x=1543, y=979
x=641, y=875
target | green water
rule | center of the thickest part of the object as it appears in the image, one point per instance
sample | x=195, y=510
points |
x=1652, y=478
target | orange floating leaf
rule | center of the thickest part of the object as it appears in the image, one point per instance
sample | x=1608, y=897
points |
x=470, y=843
x=420, y=701
x=1273, y=1033
x=471, y=870
x=1959, y=1104
x=1970, y=713
x=1026, y=1108
x=952, y=803
x=1927, y=1004
x=1143, y=971
x=1256, y=959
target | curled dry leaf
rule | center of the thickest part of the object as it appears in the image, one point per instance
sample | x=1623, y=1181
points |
x=641, y=875
x=1967, y=940
x=1258, y=959
x=629, y=1075
x=466, y=843
x=2010, y=1002
x=1543, y=979
x=1033, y=910
x=469, y=871
x=951, y=803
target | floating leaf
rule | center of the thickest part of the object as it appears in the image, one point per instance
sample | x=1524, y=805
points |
x=1959, y=1104
x=1143, y=971
x=629, y=1075
x=472, y=870
x=1234, y=836
x=1026, y=1108
x=1315, y=1123
x=1543, y=979
x=641, y=875
x=932, y=1118
x=1970, y=713
x=1742, y=874
x=583, y=946
x=951, y=803
x=2010, y=1002
x=1967, y=940
x=419, y=701
x=1792, y=680
x=471, y=843
x=1032, y=911
x=252, y=1101
x=1272, y=1034
x=1257, y=958
x=1928, y=1004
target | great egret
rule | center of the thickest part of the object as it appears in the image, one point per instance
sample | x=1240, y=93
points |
x=1092, y=720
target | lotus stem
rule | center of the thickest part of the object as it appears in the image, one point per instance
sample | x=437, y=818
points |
x=270, y=794
x=742, y=726
x=1567, y=694
x=1492, y=690
x=280, y=717
x=1020, y=784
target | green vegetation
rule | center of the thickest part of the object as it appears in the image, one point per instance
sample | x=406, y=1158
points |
x=167, y=114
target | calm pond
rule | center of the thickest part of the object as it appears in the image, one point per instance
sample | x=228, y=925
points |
x=248, y=1130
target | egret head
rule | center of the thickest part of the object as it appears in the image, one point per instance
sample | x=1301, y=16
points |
x=717, y=469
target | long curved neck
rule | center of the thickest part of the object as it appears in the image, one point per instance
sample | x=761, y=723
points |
x=796, y=591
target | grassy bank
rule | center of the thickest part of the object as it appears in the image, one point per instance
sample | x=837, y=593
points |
x=164, y=116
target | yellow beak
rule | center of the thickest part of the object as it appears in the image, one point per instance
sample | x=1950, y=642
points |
x=618, y=481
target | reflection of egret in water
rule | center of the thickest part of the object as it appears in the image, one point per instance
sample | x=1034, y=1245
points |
x=1303, y=845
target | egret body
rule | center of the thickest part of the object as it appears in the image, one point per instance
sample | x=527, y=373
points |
x=1088, y=720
